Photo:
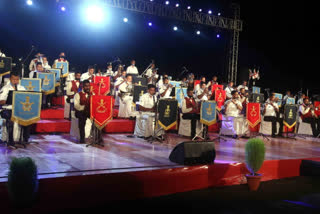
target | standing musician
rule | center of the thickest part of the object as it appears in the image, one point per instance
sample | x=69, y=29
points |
x=89, y=75
x=152, y=74
x=132, y=69
x=165, y=89
x=82, y=107
x=271, y=114
x=7, y=108
x=147, y=106
x=191, y=111
x=233, y=106
x=126, y=97
x=308, y=115
x=229, y=88
x=203, y=93
x=73, y=87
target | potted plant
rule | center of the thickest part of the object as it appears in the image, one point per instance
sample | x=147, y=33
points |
x=22, y=181
x=255, y=153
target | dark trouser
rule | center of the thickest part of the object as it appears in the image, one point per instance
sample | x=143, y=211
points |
x=82, y=116
x=193, y=118
x=6, y=114
x=274, y=121
x=315, y=125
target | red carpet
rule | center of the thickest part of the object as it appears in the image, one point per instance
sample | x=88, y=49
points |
x=120, y=126
x=48, y=126
x=52, y=113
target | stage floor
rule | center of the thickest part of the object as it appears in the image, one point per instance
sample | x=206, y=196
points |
x=59, y=156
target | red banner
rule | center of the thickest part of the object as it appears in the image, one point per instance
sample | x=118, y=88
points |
x=101, y=85
x=253, y=114
x=216, y=86
x=220, y=97
x=101, y=108
x=317, y=108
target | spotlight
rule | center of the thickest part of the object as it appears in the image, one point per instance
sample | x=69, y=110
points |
x=150, y=24
x=94, y=14
x=200, y=10
x=125, y=20
x=218, y=35
x=151, y=0
x=63, y=8
x=29, y=2
x=189, y=7
x=219, y=14
x=198, y=32
x=210, y=12
x=177, y=5
x=175, y=28
x=167, y=2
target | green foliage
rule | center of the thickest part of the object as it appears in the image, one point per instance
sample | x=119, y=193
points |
x=22, y=181
x=255, y=153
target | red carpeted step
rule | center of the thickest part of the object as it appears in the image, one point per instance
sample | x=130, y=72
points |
x=50, y=126
x=52, y=113
x=115, y=113
x=120, y=126
x=58, y=100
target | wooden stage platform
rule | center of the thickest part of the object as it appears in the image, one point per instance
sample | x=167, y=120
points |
x=129, y=168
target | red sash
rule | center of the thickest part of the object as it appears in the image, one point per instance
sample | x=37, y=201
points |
x=253, y=114
x=191, y=104
x=74, y=86
x=307, y=115
x=84, y=101
x=317, y=108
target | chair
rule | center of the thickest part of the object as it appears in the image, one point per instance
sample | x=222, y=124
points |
x=233, y=125
x=185, y=127
x=266, y=127
x=4, y=134
x=304, y=128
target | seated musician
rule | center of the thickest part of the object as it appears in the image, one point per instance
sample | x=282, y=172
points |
x=7, y=108
x=243, y=98
x=165, y=89
x=271, y=114
x=243, y=85
x=45, y=65
x=126, y=98
x=39, y=68
x=308, y=115
x=202, y=93
x=89, y=75
x=147, y=106
x=202, y=79
x=191, y=111
x=82, y=108
x=229, y=88
x=233, y=106
x=72, y=88
x=152, y=74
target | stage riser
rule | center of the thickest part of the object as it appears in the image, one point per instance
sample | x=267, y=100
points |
x=81, y=191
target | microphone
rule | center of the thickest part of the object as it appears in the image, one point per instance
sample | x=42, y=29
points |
x=16, y=87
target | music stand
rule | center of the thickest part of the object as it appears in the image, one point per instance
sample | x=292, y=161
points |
x=155, y=136
x=96, y=138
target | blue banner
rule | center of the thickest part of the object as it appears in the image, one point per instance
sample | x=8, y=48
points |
x=279, y=96
x=255, y=90
x=181, y=93
x=47, y=82
x=175, y=83
x=26, y=107
x=290, y=101
x=64, y=66
x=58, y=74
x=208, y=112
x=31, y=84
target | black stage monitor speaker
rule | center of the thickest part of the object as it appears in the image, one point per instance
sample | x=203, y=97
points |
x=192, y=152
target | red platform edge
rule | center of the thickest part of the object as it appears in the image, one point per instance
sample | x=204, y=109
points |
x=73, y=191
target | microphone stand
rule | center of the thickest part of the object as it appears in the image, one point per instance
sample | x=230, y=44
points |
x=25, y=59
x=145, y=71
x=154, y=136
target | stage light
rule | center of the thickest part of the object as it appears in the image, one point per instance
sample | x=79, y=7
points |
x=200, y=10
x=167, y=2
x=151, y=0
x=63, y=8
x=198, y=32
x=125, y=19
x=150, y=24
x=189, y=7
x=29, y=2
x=219, y=14
x=218, y=35
x=175, y=28
x=210, y=12
x=94, y=14
x=177, y=5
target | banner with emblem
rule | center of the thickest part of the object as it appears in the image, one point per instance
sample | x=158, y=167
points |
x=279, y=96
x=220, y=97
x=101, y=110
x=31, y=84
x=256, y=98
x=317, y=108
x=180, y=94
x=253, y=114
x=138, y=91
x=64, y=66
x=290, y=101
x=216, y=86
x=256, y=89
x=290, y=115
x=176, y=84
x=47, y=82
x=5, y=65
x=58, y=75
x=208, y=113
x=167, y=113
x=26, y=107
x=101, y=85
x=196, y=82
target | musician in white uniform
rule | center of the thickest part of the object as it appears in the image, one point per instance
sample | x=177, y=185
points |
x=132, y=69
x=229, y=89
x=126, y=98
x=271, y=114
x=145, y=120
x=165, y=89
x=89, y=75
x=62, y=58
x=202, y=79
x=2, y=54
x=45, y=64
x=109, y=71
x=244, y=85
x=152, y=74
x=39, y=69
x=233, y=106
x=34, y=62
x=73, y=87
x=202, y=94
